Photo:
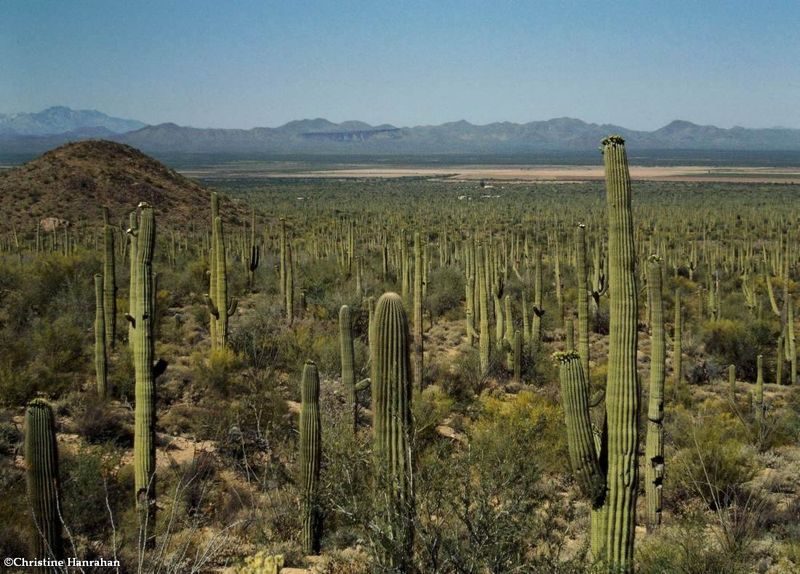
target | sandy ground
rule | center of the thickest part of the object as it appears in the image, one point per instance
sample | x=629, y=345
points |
x=508, y=174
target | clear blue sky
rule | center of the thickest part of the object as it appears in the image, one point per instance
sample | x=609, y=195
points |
x=228, y=63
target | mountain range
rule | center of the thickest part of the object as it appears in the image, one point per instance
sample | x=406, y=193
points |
x=62, y=120
x=55, y=126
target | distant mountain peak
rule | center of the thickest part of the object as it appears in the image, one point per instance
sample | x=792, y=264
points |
x=61, y=120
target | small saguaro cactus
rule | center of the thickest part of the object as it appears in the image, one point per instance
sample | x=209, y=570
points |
x=41, y=462
x=583, y=455
x=517, y=356
x=100, y=359
x=391, y=384
x=310, y=458
x=654, y=449
x=220, y=306
x=255, y=253
x=732, y=382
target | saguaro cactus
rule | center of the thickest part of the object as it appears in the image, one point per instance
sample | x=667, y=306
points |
x=146, y=371
x=100, y=362
x=348, y=359
x=584, y=457
x=583, y=298
x=219, y=305
x=255, y=253
x=613, y=519
x=484, y=344
x=41, y=462
x=677, y=342
x=212, y=266
x=289, y=285
x=654, y=449
x=109, y=282
x=622, y=394
x=538, y=309
x=132, y=230
x=391, y=383
x=418, y=350
x=310, y=458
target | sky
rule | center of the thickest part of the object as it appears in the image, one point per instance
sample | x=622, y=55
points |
x=240, y=64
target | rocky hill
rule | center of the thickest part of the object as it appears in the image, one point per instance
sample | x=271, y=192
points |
x=75, y=181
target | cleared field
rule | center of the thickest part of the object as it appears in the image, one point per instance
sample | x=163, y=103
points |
x=505, y=173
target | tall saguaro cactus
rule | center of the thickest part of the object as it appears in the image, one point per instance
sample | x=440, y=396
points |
x=100, y=359
x=418, y=350
x=146, y=371
x=654, y=449
x=212, y=266
x=538, y=308
x=583, y=298
x=484, y=344
x=391, y=383
x=41, y=462
x=622, y=393
x=109, y=282
x=132, y=230
x=613, y=518
x=310, y=458
x=677, y=342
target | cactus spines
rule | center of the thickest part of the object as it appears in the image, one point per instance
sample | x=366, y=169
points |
x=41, y=462
x=109, y=283
x=622, y=393
x=569, y=335
x=391, y=383
x=144, y=445
x=418, y=350
x=100, y=359
x=310, y=458
x=654, y=449
x=348, y=360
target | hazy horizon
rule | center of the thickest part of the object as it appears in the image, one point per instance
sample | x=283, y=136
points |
x=262, y=64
